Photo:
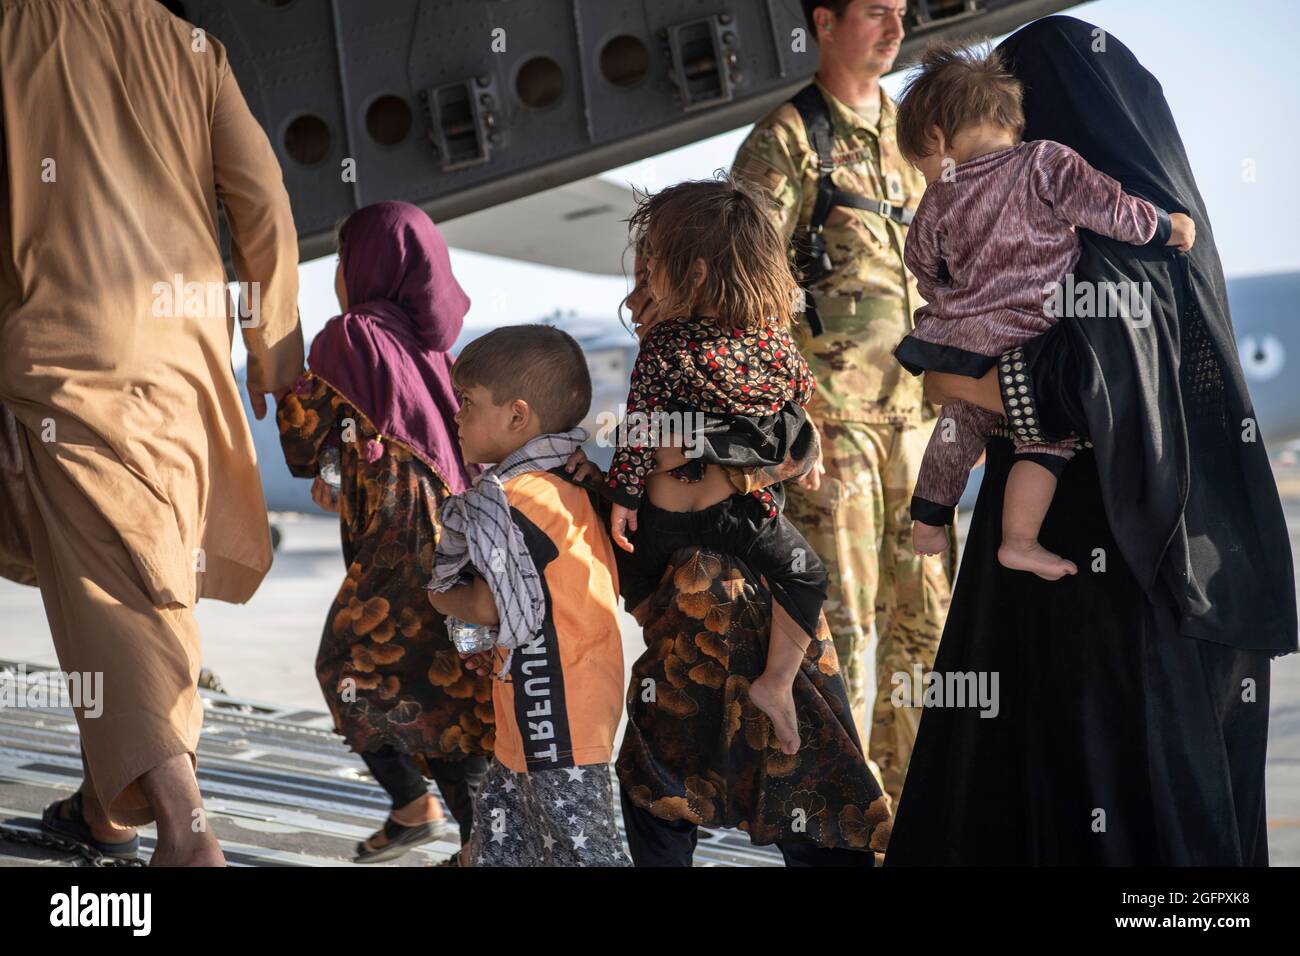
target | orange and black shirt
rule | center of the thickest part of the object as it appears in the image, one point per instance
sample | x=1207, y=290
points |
x=560, y=703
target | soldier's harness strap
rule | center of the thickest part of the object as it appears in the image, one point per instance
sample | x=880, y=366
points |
x=810, y=253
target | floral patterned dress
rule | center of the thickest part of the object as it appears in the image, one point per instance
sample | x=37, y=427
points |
x=692, y=365
x=386, y=666
x=697, y=749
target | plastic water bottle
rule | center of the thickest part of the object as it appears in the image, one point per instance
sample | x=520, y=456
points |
x=470, y=638
x=330, y=471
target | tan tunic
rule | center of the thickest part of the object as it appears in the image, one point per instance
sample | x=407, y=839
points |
x=123, y=126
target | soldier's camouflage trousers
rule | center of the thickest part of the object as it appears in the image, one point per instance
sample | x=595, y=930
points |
x=886, y=605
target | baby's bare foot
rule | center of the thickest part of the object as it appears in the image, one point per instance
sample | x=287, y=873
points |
x=1032, y=556
x=776, y=699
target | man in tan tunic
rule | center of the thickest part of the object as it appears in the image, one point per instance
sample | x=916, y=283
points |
x=128, y=483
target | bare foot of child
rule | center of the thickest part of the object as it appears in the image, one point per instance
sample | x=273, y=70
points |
x=1032, y=556
x=775, y=698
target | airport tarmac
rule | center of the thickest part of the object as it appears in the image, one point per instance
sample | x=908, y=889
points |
x=263, y=651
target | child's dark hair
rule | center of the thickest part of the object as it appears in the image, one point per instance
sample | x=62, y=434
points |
x=954, y=87
x=538, y=363
x=724, y=222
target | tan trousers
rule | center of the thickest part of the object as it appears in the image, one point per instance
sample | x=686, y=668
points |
x=103, y=622
x=886, y=607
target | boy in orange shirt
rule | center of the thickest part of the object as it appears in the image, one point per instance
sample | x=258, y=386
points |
x=525, y=555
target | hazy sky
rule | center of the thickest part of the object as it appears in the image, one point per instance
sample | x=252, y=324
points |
x=1227, y=67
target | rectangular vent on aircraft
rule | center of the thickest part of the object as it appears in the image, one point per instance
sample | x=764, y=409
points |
x=462, y=122
x=934, y=13
x=704, y=58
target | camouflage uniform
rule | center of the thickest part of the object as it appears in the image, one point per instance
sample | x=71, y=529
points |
x=872, y=414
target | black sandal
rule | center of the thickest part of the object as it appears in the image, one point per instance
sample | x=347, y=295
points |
x=74, y=829
x=401, y=839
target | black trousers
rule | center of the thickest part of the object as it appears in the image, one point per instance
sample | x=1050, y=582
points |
x=769, y=544
x=458, y=781
x=656, y=842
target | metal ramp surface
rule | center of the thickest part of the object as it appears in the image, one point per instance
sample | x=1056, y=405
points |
x=279, y=787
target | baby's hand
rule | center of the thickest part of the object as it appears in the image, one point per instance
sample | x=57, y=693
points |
x=928, y=539
x=582, y=470
x=621, y=521
x=1183, y=232
x=324, y=495
x=479, y=663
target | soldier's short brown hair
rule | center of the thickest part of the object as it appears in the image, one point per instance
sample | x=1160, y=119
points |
x=724, y=222
x=954, y=87
x=836, y=7
x=540, y=364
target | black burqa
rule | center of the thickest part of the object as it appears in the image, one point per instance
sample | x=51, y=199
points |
x=1185, y=477
x=1132, y=704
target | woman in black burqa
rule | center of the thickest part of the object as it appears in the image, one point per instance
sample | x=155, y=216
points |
x=1131, y=716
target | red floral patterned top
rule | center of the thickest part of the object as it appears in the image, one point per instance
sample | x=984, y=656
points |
x=694, y=365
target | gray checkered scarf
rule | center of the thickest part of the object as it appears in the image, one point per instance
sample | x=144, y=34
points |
x=478, y=532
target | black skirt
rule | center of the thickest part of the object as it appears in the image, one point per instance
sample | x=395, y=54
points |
x=1116, y=740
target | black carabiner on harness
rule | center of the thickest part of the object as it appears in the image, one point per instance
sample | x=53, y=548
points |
x=811, y=258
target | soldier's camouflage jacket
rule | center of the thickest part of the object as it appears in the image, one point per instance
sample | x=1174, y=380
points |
x=866, y=303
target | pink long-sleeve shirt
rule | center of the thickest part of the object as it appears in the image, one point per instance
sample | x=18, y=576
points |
x=1005, y=228
x=986, y=249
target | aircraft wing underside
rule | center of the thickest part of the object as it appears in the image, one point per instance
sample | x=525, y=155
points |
x=458, y=105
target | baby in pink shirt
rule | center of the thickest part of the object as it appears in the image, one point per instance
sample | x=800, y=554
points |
x=991, y=246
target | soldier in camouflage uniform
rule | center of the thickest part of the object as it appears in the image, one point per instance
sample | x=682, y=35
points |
x=873, y=417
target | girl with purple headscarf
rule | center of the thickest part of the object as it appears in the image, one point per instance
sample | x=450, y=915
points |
x=378, y=401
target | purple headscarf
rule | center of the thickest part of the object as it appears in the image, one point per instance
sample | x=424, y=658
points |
x=387, y=354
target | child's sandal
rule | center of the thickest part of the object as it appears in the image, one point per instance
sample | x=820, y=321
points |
x=401, y=839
